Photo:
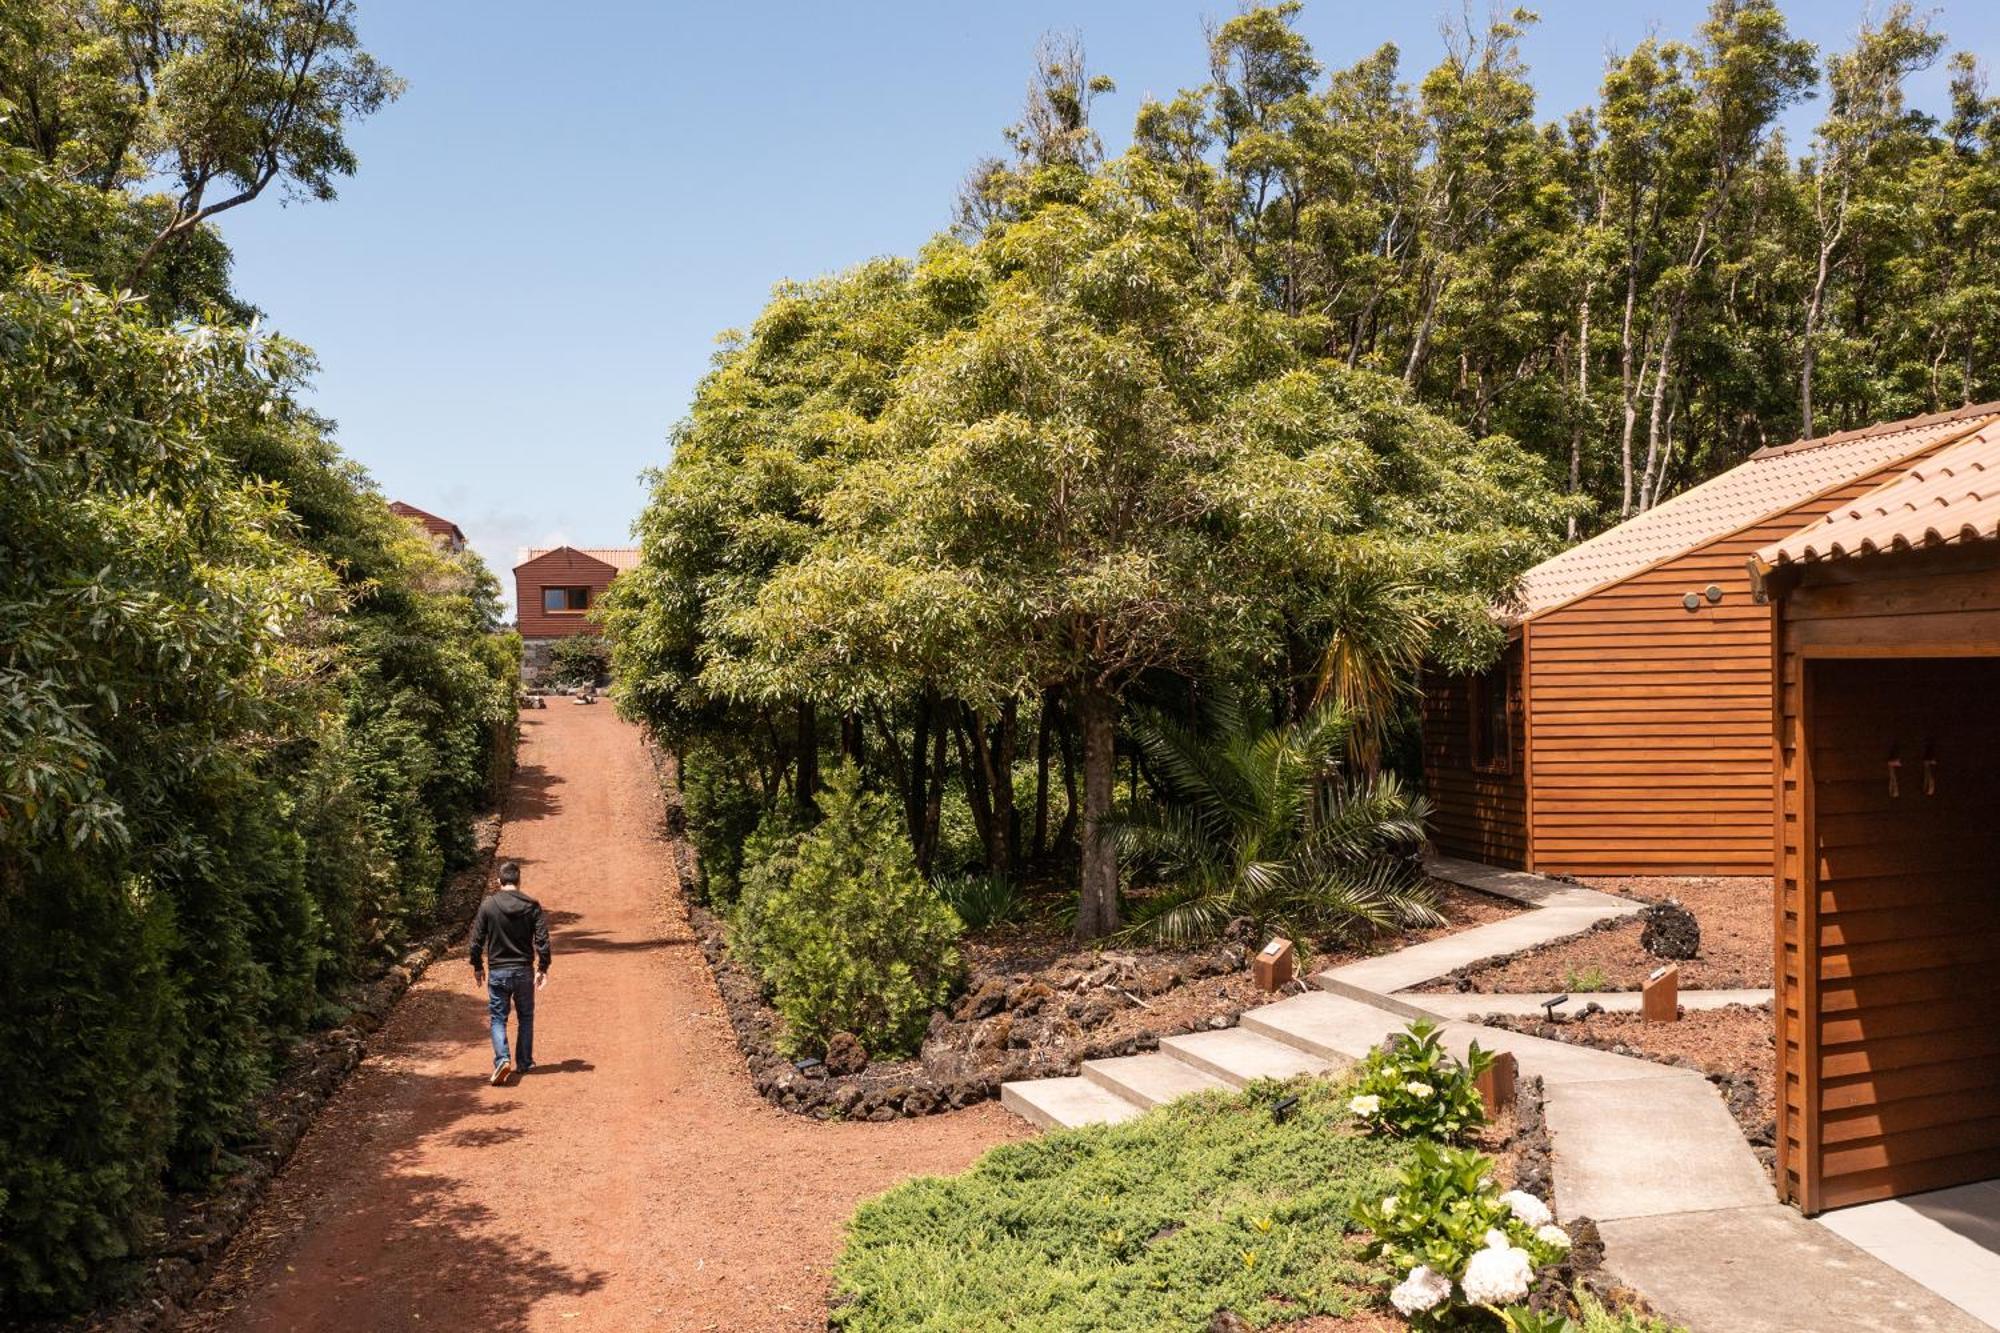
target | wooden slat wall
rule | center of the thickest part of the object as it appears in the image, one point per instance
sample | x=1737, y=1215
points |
x=1889, y=909
x=1652, y=723
x=562, y=568
x=1477, y=815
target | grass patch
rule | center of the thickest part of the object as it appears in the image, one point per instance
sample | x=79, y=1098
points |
x=1201, y=1205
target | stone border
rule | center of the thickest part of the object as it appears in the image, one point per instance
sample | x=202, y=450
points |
x=198, y=1230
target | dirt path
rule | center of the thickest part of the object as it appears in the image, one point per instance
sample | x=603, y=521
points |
x=632, y=1180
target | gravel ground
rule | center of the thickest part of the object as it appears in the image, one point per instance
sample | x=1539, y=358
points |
x=633, y=1180
x=1735, y=915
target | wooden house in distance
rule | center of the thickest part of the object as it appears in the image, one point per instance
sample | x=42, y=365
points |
x=442, y=531
x=1627, y=729
x=555, y=589
x=1887, y=616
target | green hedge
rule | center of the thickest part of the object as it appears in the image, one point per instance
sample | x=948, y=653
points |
x=246, y=717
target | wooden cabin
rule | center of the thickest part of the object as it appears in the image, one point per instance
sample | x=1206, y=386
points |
x=1886, y=709
x=1626, y=731
x=555, y=590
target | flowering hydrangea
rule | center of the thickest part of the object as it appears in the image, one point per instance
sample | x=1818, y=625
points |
x=1365, y=1106
x=1553, y=1235
x=1500, y=1274
x=1528, y=1208
x=1418, y=1090
x=1421, y=1290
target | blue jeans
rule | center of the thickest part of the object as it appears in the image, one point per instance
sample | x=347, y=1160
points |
x=516, y=984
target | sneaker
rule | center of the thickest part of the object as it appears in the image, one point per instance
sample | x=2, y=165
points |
x=500, y=1072
x=527, y=1068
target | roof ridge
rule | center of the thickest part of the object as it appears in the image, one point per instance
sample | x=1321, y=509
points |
x=1881, y=428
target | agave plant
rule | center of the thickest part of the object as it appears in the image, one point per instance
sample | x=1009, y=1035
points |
x=1261, y=821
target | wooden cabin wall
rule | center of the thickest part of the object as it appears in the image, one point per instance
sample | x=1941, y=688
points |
x=1888, y=911
x=1652, y=723
x=1478, y=815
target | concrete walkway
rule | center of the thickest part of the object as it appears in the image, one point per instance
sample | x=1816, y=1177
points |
x=1532, y=1004
x=1949, y=1240
x=1648, y=1150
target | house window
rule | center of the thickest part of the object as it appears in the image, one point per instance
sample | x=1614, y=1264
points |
x=565, y=601
x=1492, y=748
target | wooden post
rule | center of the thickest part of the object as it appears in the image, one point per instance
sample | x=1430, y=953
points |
x=1496, y=1085
x=1273, y=966
x=1660, y=999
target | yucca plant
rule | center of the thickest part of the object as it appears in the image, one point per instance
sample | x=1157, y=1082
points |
x=1262, y=821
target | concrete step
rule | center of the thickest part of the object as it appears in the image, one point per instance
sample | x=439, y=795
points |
x=1065, y=1103
x=1332, y=1027
x=1239, y=1056
x=1150, y=1079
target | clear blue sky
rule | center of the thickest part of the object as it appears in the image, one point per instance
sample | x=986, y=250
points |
x=514, y=298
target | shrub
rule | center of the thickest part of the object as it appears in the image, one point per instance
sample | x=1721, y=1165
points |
x=1414, y=1088
x=770, y=857
x=981, y=901
x=852, y=939
x=1459, y=1242
x=722, y=805
x=580, y=659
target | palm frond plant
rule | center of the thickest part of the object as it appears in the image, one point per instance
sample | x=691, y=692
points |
x=1377, y=635
x=1262, y=821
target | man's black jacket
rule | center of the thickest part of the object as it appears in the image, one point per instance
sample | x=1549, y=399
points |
x=509, y=932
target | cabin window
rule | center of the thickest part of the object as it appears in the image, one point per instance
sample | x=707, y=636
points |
x=565, y=601
x=1492, y=748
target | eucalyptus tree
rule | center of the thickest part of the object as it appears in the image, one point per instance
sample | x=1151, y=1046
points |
x=1863, y=149
x=218, y=99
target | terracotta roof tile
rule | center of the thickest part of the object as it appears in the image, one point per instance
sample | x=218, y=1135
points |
x=620, y=558
x=1768, y=483
x=1954, y=497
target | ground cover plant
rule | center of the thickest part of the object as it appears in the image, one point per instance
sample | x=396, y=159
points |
x=1213, y=1202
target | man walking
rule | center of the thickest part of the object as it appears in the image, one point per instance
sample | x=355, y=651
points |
x=510, y=957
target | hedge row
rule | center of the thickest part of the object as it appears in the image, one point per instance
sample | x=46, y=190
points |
x=246, y=717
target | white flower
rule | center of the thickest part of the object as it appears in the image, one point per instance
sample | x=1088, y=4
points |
x=1496, y=1239
x=1528, y=1208
x=1553, y=1235
x=1498, y=1274
x=1421, y=1290
x=1364, y=1106
x=1418, y=1090
x=1389, y=1206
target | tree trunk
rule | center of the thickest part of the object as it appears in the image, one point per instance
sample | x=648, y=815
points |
x=915, y=798
x=1582, y=400
x=974, y=778
x=934, y=799
x=851, y=741
x=1042, y=734
x=1097, y=893
x=806, y=741
x=1006, y=815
